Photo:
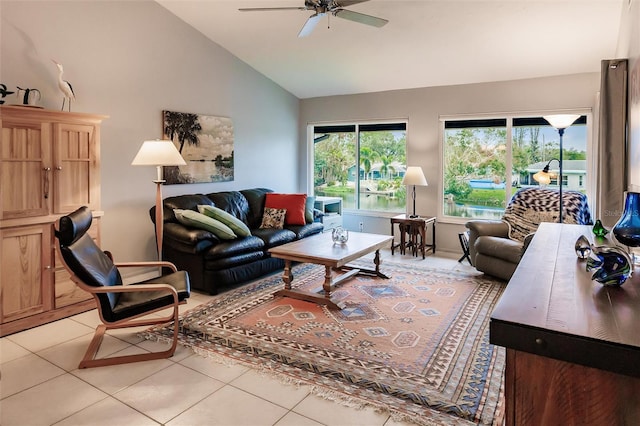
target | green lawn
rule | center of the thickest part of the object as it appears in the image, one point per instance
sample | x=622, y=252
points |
x=485, y=197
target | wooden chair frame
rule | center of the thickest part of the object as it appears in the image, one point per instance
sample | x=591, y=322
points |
x=89, y=360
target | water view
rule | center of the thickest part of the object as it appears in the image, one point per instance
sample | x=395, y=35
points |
x=368, y=201
x=394, y=204
x=472, y=212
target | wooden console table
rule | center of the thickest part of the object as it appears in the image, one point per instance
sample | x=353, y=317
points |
x=415, y=228
x=572, y=345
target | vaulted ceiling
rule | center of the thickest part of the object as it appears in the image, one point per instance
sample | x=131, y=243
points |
x=426, y=42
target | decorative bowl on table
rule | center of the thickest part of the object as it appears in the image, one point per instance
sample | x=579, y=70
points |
x=583, y=247
x=611, y=266
x=340, y=235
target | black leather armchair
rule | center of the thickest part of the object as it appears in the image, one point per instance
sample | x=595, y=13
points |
x=119, y=306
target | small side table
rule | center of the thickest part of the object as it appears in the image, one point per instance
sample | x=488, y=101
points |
x=464, y=244
x=415, y=229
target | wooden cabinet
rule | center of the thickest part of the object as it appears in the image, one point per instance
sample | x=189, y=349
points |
x=26, y=271
x=49, y=166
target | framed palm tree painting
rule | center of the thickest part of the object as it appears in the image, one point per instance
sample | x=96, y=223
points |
x=206, y=144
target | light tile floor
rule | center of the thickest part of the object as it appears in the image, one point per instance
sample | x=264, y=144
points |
x=40, y=383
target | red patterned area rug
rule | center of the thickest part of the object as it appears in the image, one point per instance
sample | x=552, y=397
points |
x=415, y=345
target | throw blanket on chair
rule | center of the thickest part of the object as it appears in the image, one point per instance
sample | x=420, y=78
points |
x=530, y=206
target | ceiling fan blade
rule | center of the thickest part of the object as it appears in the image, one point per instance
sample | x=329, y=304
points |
x=310, y=24
x=262, y=9
x=346, y=3
x=360, y=18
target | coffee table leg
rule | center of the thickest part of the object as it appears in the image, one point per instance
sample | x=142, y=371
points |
x=315, y=296
x=287, y=275
x=326, y=286
x=377, y=262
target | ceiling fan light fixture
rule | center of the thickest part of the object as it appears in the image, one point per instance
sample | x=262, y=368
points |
x=323, y=7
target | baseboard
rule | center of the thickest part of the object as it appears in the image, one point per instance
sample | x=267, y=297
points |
x=144, y=275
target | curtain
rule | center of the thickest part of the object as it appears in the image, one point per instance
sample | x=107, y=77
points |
x=612, y=141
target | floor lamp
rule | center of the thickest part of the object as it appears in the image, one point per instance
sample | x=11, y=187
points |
x=414, y=176
x=560, y=122
x=158, y=153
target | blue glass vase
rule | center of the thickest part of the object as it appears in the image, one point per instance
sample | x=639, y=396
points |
x=627, y=229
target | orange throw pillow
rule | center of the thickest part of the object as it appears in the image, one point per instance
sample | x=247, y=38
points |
x=293, y=203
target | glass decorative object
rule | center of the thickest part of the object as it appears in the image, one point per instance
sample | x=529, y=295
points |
x=611, y=265
x=340, y=235
x=627, y=229
x=583, y=247
x=599, y=230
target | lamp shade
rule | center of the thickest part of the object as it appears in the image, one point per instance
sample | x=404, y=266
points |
x=414, y=176
x=561, y=121
x=158, y=153
x=542, y=177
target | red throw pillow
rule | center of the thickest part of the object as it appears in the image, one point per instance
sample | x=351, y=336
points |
x=293, y=203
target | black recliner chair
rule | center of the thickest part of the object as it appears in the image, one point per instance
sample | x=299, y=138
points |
x=119, y=306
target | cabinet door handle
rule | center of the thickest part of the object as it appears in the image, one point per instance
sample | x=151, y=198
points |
x=47, y=170
x=58, y=167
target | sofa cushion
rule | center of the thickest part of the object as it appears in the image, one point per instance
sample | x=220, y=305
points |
x=274, y=237
x=306, y=230
x=183, y=202
x=273, y=218
x=255, y=197
x=236, y=247
x=188, y=240
x=198, y=220
x=237, y=226
x=309, y=208
x=233, y=261
x=232, y=202
x=294, y=204
x=501, y=248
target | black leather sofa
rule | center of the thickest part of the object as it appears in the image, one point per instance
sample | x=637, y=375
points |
x=213, y=263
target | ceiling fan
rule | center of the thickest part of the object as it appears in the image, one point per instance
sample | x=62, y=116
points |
x=323, y=7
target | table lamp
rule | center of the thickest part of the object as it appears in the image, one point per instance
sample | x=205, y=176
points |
x=158, y=153
x=414, y=176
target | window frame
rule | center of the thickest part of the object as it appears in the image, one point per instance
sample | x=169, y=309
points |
x=357, y=124
x=592, y=159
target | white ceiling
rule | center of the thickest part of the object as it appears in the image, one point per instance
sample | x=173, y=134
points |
x=426, y=42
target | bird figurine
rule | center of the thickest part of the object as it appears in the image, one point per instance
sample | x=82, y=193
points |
x=4, y=92
x=65, y=87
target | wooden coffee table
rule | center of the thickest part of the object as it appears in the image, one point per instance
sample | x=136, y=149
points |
x=321, y=250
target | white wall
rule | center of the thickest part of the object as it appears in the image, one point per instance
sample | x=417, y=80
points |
x=131, y=60
x=423, y=107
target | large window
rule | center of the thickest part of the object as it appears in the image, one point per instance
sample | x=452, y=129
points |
x=487, y=160
x=362, y=163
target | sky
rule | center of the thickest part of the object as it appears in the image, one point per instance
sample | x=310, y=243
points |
x=574, y=137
